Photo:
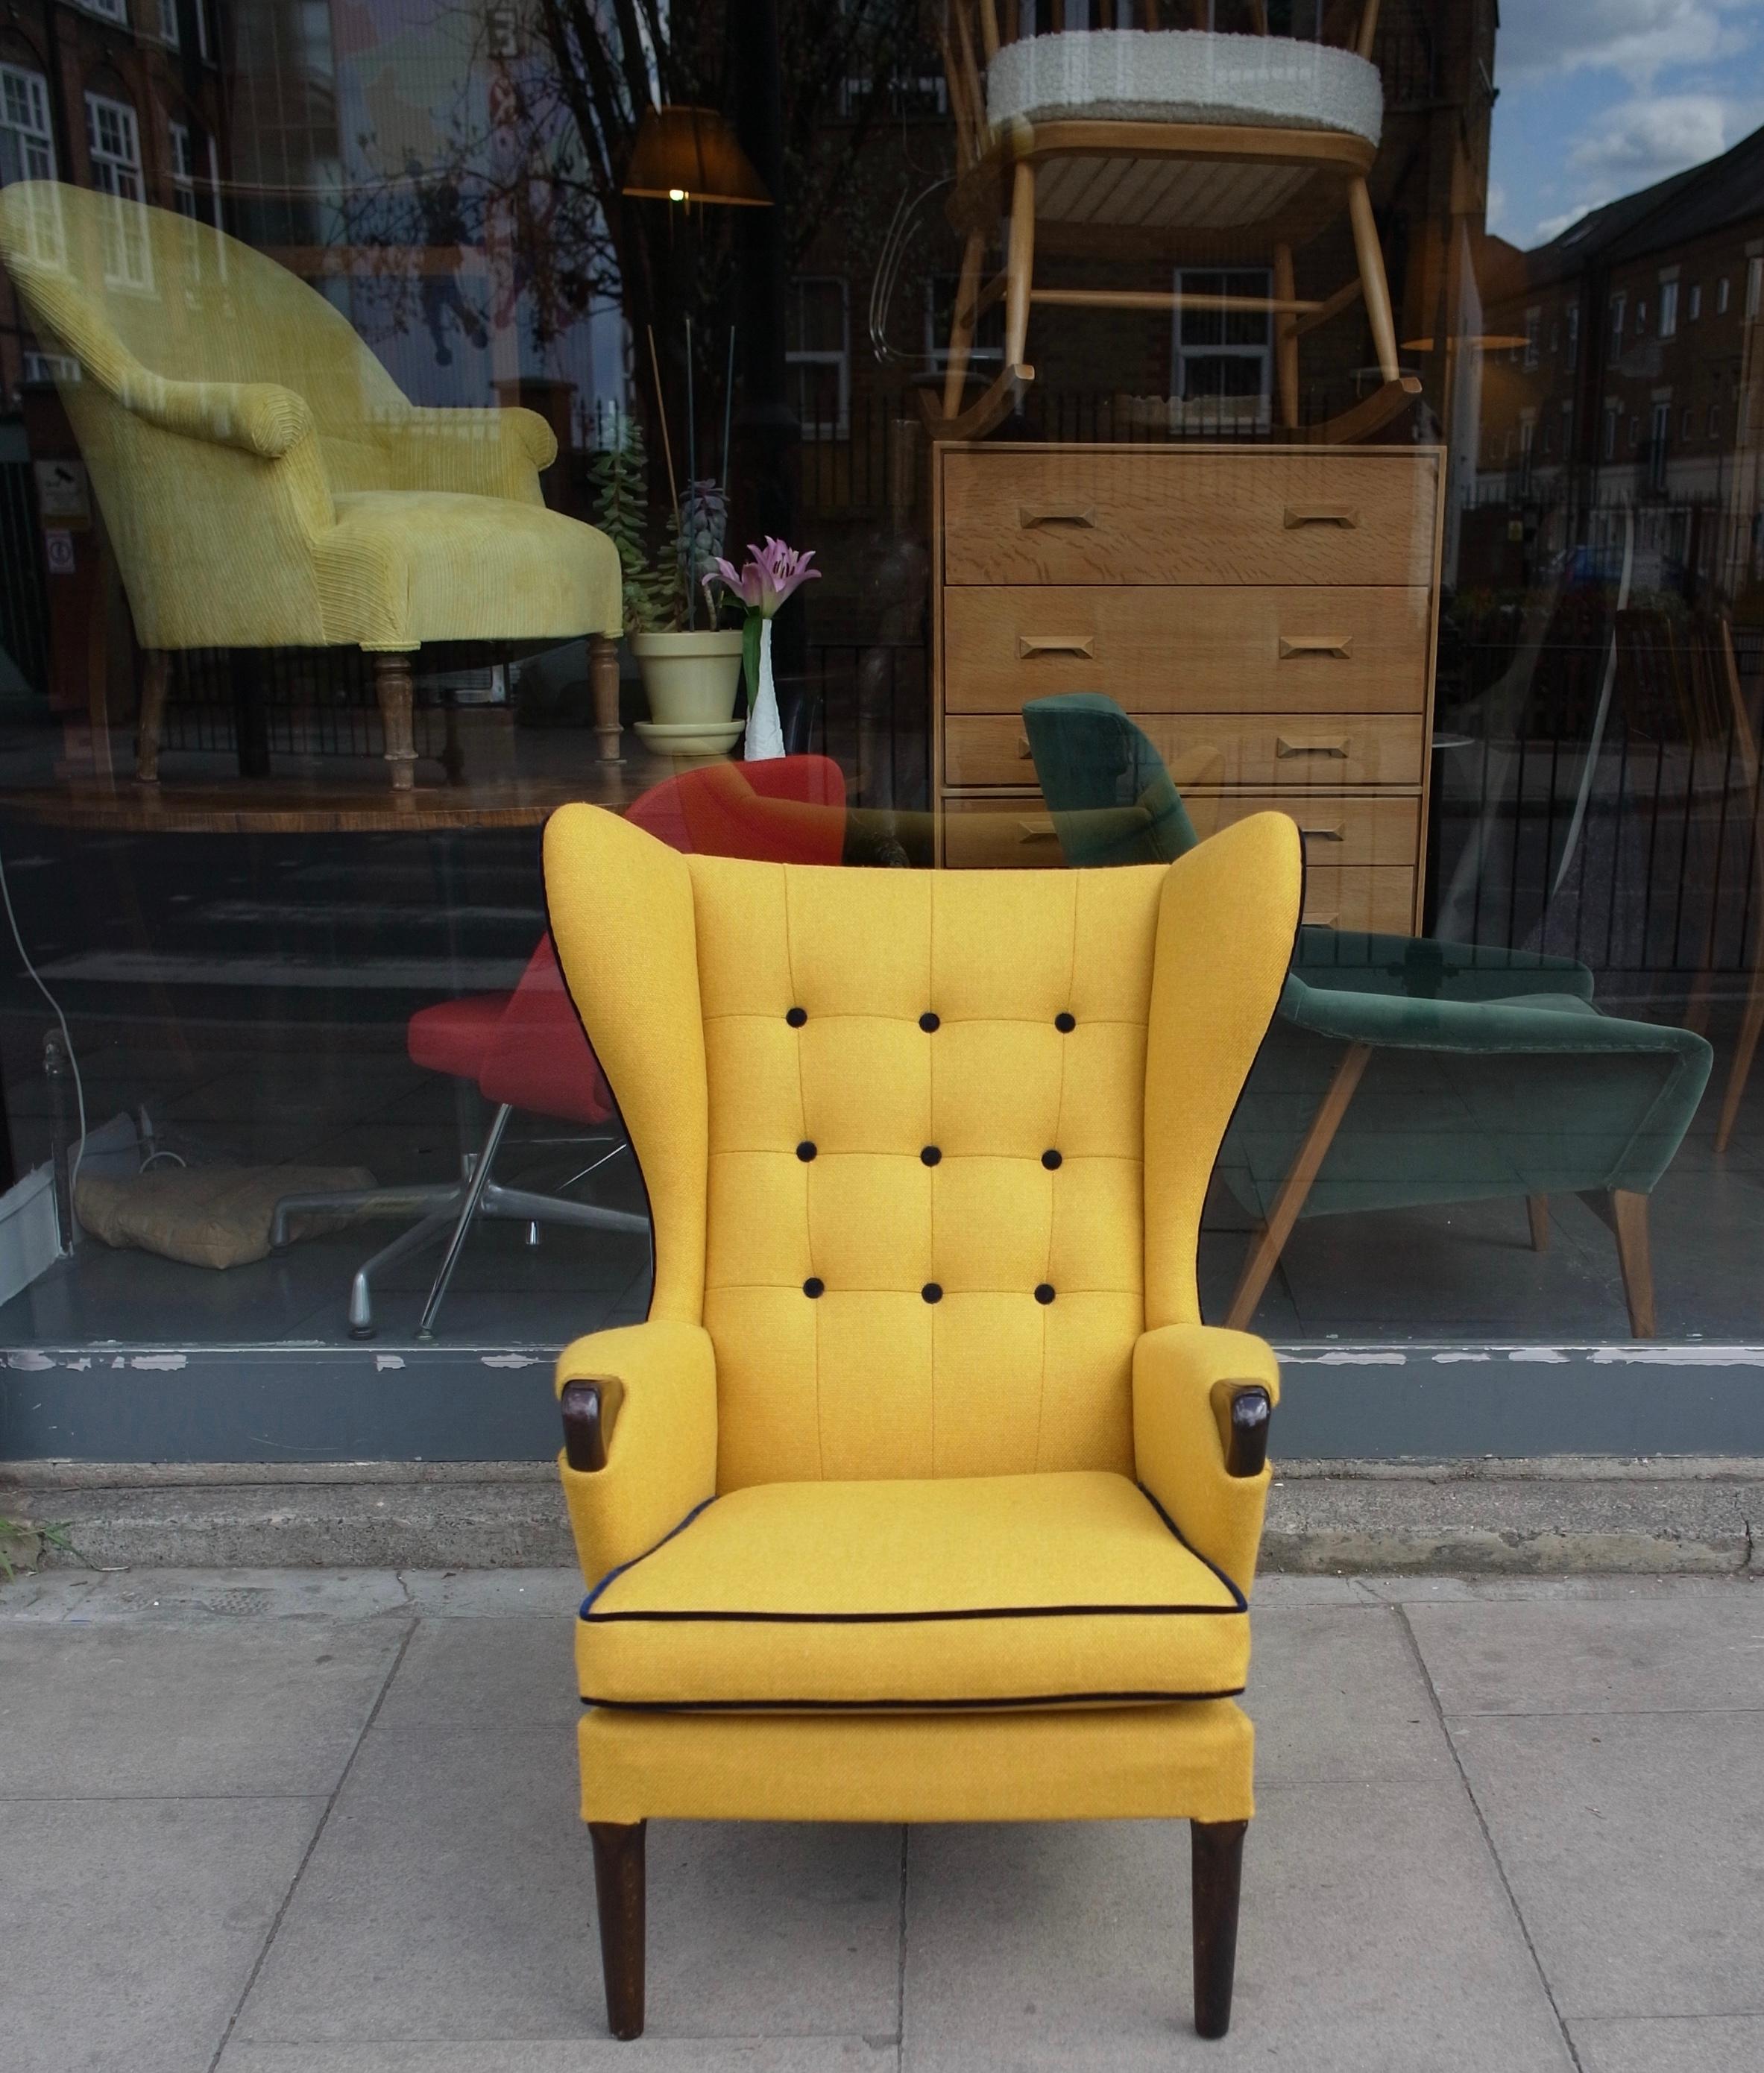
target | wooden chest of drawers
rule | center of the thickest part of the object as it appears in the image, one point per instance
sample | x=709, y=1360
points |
x=1268, y=615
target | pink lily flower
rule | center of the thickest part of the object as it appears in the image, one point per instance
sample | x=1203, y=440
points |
x=769, y=576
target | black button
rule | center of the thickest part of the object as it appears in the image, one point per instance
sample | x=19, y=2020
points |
x=1043, y=1292
x=796, y=1017
x=928, y=1021
x=1063, y=1022
x=814, y=1286
x=805, y=1151
x=1050, y=1159
x=930, y=1154
x=932, y=1292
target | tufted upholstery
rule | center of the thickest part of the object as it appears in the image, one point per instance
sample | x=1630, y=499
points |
x=264, y=480
x=921, y=1416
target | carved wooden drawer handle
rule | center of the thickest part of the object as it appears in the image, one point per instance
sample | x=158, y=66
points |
x=1056, y=644
x=1316, y=643
x=1335, y=744
x=1347, y=515
x=1041, y=829
x=1025, y=753
x=1335, y=833
x=1319, y=921
x=1032, y=514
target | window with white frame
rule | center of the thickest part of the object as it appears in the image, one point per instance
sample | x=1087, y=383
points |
x=1619, y=304
x=1659, y=422
x=27, y=141
x=109, y=10
x=1533, y=319
x=1223, y=355
x=114, y=145
x=168, y=22
x=1720, y=297
x=1669, y=309
x=183, y=169
x=817, y=349
x=988, y=349
x=1695, y=308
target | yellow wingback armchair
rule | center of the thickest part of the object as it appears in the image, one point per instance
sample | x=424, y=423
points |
x=922, y=1494
x=264, y=480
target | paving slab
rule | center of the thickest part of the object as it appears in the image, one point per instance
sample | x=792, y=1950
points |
x=131, y=1926
x=1375, y=1938
x=1671, y=2044
x=450, y=1898
x=465, y=1672
x=1634, y=1845
x=647, y=2054
x=493, y=1594
x=251, y=1706
x=43, y=1599
x=1681, y=1654
x=1337, y=1697
x=144, y=1597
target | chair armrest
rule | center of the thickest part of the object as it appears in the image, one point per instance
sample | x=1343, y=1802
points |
x=640, y=1447
x=1506, y=1027
x=259, y=418
x=1201, y=1400
x=477, y=452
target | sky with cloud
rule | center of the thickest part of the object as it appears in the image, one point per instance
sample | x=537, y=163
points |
x=1599, y=97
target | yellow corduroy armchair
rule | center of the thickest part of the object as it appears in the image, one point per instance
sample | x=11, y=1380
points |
x=264, y=480
x=922, y=1494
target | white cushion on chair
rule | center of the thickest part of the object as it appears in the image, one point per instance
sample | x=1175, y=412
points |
x=1184, y=75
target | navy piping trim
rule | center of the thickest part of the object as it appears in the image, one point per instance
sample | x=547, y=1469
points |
x=907, y=1705
x=613, y=1574
x=1239, y=1603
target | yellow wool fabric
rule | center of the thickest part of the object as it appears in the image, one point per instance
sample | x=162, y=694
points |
x=1113, y=1763
x=1001, y=1590
x=926, y=1153
x=263, y=479
x=663, y=1459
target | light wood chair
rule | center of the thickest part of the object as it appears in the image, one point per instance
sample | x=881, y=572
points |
x=1236, y=168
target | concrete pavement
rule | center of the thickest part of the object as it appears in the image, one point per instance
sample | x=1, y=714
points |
x=308, y=1821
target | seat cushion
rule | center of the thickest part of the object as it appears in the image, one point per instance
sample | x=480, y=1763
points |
x=402, y=567
x=455, y=1036
x=967, y=1592
x=1184, y=75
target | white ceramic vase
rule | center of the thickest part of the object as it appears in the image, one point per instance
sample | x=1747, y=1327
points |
x=764, y=738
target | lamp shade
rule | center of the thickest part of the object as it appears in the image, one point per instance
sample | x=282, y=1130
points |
x=690, y=155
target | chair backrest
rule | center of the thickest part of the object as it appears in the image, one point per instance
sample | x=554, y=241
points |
x=926, y=1150
x=120, y=286
x=1112, y=798
x=787, y=810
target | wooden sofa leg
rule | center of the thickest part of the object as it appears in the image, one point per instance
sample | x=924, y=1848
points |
x=1537, y=1208
x=152, y=721
x=396, y=691
x=603, y=690
x=618, y=1888
x=1217, y=1859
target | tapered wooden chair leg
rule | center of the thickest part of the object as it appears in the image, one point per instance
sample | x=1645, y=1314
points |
x=1537, y=1207
x=1629, y=1217
x=1217, y=1859
x=618, y=1888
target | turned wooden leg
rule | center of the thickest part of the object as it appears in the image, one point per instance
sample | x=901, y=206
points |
x=1218, y=1861
x=618, y=1888
x=1537, y=1208
x=1375, y=287
x=152, y=723
x=1286, y=340
x=603, y=686
x=1019, y=268
x=393, y=688
x=967, y=293
x=1265, y=1248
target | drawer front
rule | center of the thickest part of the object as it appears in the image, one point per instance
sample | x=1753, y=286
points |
x=1247, y=648
x=1174, y=515
x=995, y=834
x=1320, y=752
x=1338, y=832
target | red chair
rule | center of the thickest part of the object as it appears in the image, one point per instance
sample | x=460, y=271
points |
x=525, y=1049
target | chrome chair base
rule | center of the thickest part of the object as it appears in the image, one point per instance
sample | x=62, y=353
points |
x=474, y=1194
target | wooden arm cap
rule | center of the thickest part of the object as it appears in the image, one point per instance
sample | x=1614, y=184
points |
x=1245, y=1411
x=590, y=1406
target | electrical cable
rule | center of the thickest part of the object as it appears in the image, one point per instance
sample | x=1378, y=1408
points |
x=73, y=1057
